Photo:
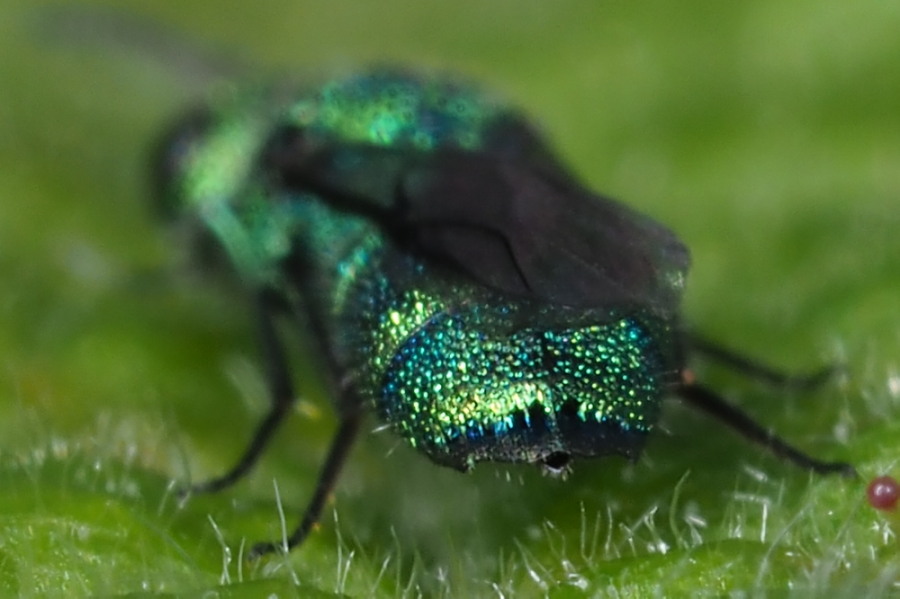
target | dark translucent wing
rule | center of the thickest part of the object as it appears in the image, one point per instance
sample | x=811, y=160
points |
x=538, y=234
x=512, y=222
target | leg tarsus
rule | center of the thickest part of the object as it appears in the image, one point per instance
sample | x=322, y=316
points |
x=248, y=459
x=710, y=402
x=281, y=394
x=337, y=456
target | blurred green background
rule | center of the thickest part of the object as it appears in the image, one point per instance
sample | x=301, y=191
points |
x=766, y=134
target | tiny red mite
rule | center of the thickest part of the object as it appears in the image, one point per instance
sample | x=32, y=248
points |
x=883, y=493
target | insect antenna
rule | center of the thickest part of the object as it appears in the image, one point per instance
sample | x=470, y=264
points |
x=195, y=65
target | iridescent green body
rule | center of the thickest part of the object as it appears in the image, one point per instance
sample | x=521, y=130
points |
x=459, y=281
x=461, y=371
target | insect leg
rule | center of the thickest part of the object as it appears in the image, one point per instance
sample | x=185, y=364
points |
x=754, y=369
x=281, y=393
x=337, y=455
x=710, y=402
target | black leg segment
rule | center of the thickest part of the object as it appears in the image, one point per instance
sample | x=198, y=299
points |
x=754, y=369
x=281, y=394
x=710, y=402
x=337, y=456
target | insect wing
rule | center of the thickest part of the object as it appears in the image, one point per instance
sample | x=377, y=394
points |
x=527, y=232
x=512, y=223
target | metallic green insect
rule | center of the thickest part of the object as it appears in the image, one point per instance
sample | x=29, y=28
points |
x=461, y=284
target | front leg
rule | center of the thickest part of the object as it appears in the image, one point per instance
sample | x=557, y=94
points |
x=281, y=396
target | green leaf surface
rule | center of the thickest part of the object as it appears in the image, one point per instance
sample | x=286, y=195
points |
x=767, y=134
